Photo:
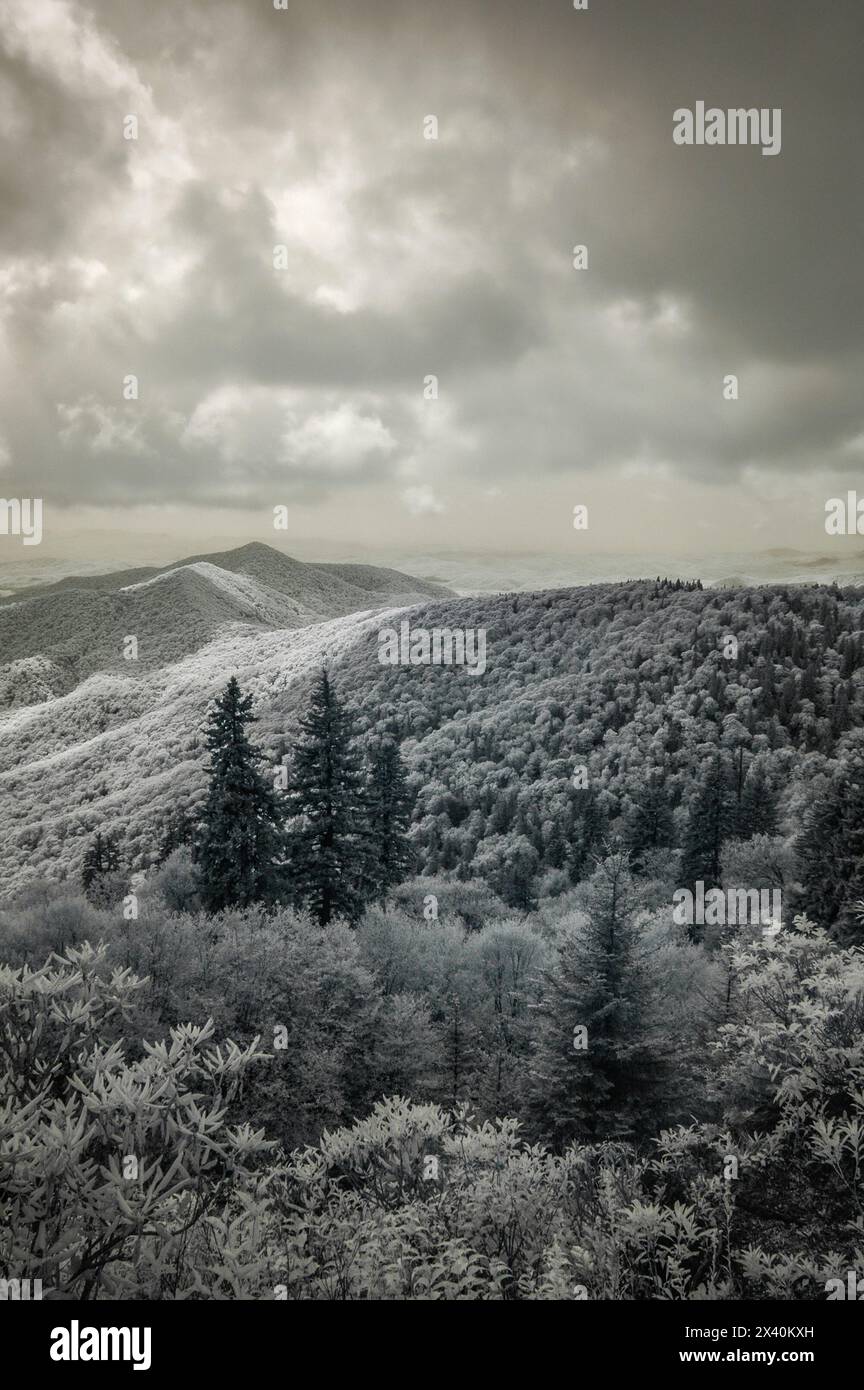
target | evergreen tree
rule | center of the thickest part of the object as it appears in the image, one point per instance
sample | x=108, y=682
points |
x=650, y=824
x=391, y=855
x=602, y=1084
x=178, y=831
x=101, y=859
x=239, y=842
x=710, y=821
x=830, y=851
x=330, y=834
x=587, y=835
x=517, y=873
x=555, y=847
x=458, y=1048
x=757, y=813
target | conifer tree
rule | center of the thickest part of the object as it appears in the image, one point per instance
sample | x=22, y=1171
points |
x=555, y=847
x=601, y=1083
x=757, y=813
x=518, y=870
x=177, y=831
x=459, y=1053
x=391, y=855
x=830, y=851
x=101, y=859
x=710, y=821
x=587, y=834
x=650, y=824
x=239, y=845
x=328, y=804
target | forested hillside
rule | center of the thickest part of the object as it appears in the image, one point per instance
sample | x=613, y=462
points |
x=432, y=1027
x=629, y=688
x=632, y=688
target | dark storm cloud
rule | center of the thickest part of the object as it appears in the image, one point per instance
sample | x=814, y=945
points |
x=406, y=257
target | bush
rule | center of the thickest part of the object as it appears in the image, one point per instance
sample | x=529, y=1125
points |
x=118, y=1176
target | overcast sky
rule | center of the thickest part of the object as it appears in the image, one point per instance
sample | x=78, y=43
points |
x=408, y=257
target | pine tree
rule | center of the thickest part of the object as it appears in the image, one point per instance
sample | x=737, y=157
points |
x=239, y=844
x=555, y=847
x=177, y=831
x=518, y=870
x=330, y=834
x=391, y=855
x=830, y=851
x=101, y=859
x=710, y=821
x=650, y=824
x=458, y=1048
x=587, y=835
x=604, y=1083
x=757, y=813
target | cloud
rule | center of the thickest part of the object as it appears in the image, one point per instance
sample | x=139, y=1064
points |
x=294, y=430
x=421, y=501
x=407, y=257
x=106, y=429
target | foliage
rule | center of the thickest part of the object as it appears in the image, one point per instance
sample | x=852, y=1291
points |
x=237, y=847
x=418, y=1200
x=116, y=1173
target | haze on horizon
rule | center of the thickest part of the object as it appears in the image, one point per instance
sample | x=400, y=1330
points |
x=407, y=257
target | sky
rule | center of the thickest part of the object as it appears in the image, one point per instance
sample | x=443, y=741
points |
x=326, y=311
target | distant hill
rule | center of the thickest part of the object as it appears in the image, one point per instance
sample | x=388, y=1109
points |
x=54, y=636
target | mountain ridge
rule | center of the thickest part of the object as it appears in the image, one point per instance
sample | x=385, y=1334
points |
x=54, y=636
x=253, y=553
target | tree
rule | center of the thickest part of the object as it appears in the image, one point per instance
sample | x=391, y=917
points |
x=509, y=863
x=650, y=824
x=790, y=1061
x=178, y=831
x=597, y=1074
x=709, y=823
x=391, y=855
x=763, y=861
x=757, y=812
x=587, y=835
x=177, y=884
x=830, y=850
x=101, y=863
x=239, y=844
x=517, y=874
x=509, y=955
x=329, y=810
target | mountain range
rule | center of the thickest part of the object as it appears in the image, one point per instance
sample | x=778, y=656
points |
x=55, y=635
